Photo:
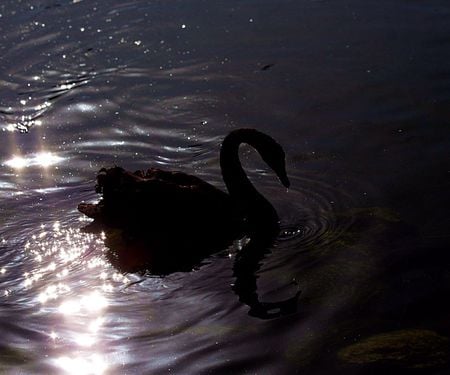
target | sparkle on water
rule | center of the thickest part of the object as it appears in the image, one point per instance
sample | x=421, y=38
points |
x=59, y=257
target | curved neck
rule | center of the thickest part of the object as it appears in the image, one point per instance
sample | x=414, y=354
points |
x=241, y=190
x=236, y=181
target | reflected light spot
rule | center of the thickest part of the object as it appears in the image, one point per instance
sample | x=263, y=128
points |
x=66, y=86
x=56, y=226
x=42, y=296
x=42, y=159
x=63, y=273
x=94, y=302
x=95, y=325
x=69, y=307
x=45, y=159
x=85, y=340
x=42, y=106
x=51, y=292
x=85, y=107
x=16, y=162
x=107, y=288
x=82, y=366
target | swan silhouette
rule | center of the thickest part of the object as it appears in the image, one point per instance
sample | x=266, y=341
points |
x=163, y=221
x=177, y=204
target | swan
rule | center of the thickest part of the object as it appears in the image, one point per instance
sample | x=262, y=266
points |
x=177, y=213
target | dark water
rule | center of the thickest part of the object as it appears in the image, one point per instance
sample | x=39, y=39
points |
x=358, y=93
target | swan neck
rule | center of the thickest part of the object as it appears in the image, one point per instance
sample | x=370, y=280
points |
x=234, y=176
x=261, y=215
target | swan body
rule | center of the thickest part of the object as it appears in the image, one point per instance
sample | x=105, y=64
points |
x=157, y=199
x=181, y=213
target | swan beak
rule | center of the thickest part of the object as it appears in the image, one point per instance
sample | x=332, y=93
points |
x=285, y=180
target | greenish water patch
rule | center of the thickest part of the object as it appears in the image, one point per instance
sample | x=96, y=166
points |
x=413, y=348
x=222, y=330
x=382, y=213
x=10, y=357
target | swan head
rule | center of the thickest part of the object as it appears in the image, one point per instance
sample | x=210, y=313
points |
x=273, y=154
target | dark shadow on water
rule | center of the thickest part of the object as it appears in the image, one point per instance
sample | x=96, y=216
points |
x=131, y=250
x=137, y=251
x=245, y=269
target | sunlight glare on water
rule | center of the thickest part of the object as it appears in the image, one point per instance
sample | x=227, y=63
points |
x=71, y=282
x=94, y=364
x=41, y=159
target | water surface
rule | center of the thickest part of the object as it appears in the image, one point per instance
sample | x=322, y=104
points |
x=357, y=93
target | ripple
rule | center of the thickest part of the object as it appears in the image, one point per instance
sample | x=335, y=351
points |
x=310, y=214
x=35, y=95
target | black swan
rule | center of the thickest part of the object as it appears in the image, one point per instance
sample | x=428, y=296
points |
x=180, y=208
x=163, y=222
